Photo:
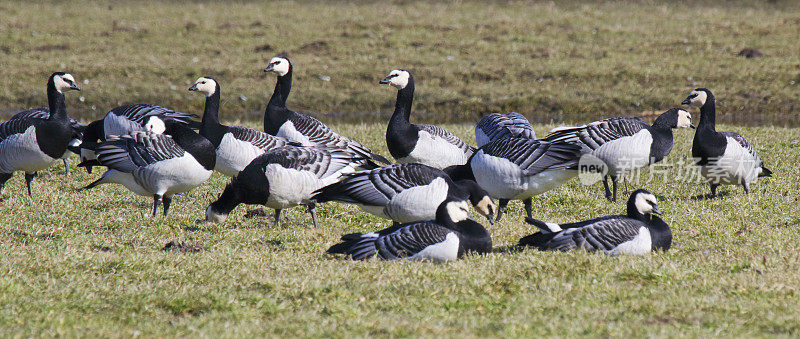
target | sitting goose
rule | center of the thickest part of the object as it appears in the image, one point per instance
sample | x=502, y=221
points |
x=157, y=165
x=639, y=232
x=422, y=144
x=125, y=119
x=723, y=157
x=284, y=177
x=503, y=125
x=236, y=146
x=625, y=144
x=44, y=113
x=405, y=192
x=300, y=128
x=519, y=168
x=32, y=144
x=447, y=238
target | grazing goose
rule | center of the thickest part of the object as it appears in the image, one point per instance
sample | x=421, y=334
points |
x=422, y=144
x=447, y=238
x=236, y=146
x=44, y=113
x=33, y=144
x=284, y=177
x=723, y=157
x=639, y=232
x=125, y=119
x=519, y=168
x=303, y=129
x=502, y=125
x=625, y=144
x=405, y=192
x=157, y=165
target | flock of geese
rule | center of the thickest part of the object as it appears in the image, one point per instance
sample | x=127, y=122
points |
x=297, y=160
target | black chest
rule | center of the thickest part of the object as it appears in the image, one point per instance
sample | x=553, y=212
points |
x=275, y=118
x=707, y=145
x=662, y=144
x=401, y=138
x=214, y=134
x=53, y=136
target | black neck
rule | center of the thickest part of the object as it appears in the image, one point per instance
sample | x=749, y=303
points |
x=211, y=111
x=708, y=113
x=402, y=106
x=198, y=146
x=94, y=131
x=56, y=102
x=228, y=200
x=660, y=233
x=282, y=88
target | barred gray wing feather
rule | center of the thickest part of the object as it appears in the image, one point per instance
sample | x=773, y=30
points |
x=449, y=137
x=43, y=113
x=139, y=149
x=15, y=126
x=743, y=142
x=259, y=139
x=140, y=112
x=396, y=242
x=505, y=125
x=535, y=156
x=376, y=187
x=322, y=161
x=596, y=134
x=601, y=235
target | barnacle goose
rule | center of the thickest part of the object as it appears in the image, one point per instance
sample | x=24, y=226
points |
x=32, y=144
x=284, y=177
x=452, y=234
x=503, y=125
x=236, y=146
x=308, y=131
x=125, y=119
x=423, y=144
x=625, y=144
x=519, y=168
x=639, y=232
x=44, y=113
x=723, y=157
x=157, y=165
x=405, y=192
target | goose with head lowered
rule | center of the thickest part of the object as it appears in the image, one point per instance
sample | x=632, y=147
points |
x=502, y=125
x=422, y=144
x=236, y=146
x=157, y=165
x=451, y=235
x=285, y=177
x=519, y=168
x=31, y=144
x=723, y=157
x=300, y=128
x=405, y=192
x=44, y=113
x=638, y=232
x=624, y=144
x=124, y=120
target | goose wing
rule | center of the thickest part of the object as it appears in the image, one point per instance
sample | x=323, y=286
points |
x=128, y=118
x=534, y=156
x=321, y=161
x=377, y=187
x=602, y=234
x=139, y=149
x=504, y=125
x=15, y=126
x=320, y=134
x=43, y=113
x=442, y=133
x=742, y=142
x=596, y=134
x=259, y=139
x=396, y=242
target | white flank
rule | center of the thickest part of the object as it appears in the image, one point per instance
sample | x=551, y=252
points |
x=444, y=251
x=124, y=179
x=289, y=187
x=504, y=180
x=417, y=203
x=176, y=175
x=234, y=154
x=289, y=132
x=736, y=165
x=639, y=245
x=435, y=152
x=626, y=153
x=20, y=152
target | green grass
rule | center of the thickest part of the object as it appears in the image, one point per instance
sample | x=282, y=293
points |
x=89, y=263
x=551, y=62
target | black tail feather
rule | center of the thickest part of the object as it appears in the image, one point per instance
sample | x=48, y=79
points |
x=538, y=240
x=92, y=185
x=765, y=172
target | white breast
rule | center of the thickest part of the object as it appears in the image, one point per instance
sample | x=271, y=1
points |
x=435, y=152
x=734, y=166
x=500, y=177
x=290, y=187
x=639, y=245
x=417, y=203
x=444, y=251
x=176, y=175
x=20, y=152
x=234, y=154
x=289, y=132
x=626, y=153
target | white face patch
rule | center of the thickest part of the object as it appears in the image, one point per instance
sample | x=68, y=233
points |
x=458, y=210
x=399, y=78
x=645, y=203
x=279, y=65
x=155, y=125
x=684, y=119
x=486, y=207
x=206, y=86
x=63, y=82
x=699, y=99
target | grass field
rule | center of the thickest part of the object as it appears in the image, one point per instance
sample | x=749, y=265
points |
x=90, y=263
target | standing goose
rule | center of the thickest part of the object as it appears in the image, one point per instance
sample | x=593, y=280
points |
x=405, y=192
x=300, y=128
x=519, y=168
x=423, y=144
x=639, y=232
x=452, y=234
x=502, y=125
x=236, y=146
x=125, y=119
x=284, y=177
x=157, y=165
x=723, y=157
x=625, y=144
x=33, y=144
x=44, y=113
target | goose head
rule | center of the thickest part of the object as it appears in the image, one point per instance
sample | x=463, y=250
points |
x=697, y=97
x=398, y=78
x=644, y=202
x=64, y=82
x=155, y=125
x=456, y=211
x=675, y=118
x=278, y=65
x=205, y=85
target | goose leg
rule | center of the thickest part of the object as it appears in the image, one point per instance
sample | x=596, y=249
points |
x=28, y=179
x=614, y=183
x=312, y=208
x=501, y=208
x=167, y=202
x=156, y=202
x=605, y=186
x=528, y=209
x=277, y=217
x=66, y=165
x=714, y=190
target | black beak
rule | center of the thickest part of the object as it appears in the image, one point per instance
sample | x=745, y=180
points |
x=269, y=68
x=490, y=217
x=385, y=80
x=193, y=88
x=655, y=210
x=686, y=101
x=692, y=126
x=74, y=86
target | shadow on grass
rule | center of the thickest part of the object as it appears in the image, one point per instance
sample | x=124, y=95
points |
x=508, y=249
